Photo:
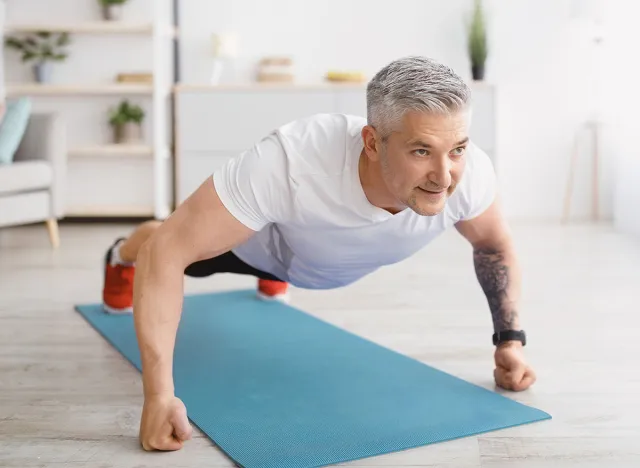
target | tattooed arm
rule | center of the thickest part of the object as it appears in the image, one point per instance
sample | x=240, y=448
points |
x=496, y=266
x=498, y=273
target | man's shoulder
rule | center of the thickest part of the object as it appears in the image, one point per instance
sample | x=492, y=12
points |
x=321, y=143
x=331, y=126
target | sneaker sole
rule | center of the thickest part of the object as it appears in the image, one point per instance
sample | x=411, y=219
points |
x=113, y=311
x=278, y=297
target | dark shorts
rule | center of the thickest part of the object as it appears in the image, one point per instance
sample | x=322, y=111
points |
x=225, y=263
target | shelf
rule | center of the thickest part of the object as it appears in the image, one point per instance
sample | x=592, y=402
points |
x=260, y=86
x=111, y=150
x=97, y=27
x=34, y=89
x=295, y=86
x=112, y=211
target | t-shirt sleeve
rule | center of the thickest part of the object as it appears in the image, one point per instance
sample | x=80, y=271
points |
x=254, y=186
x=479, y=185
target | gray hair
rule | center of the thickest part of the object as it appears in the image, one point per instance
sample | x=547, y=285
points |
x=413, y=83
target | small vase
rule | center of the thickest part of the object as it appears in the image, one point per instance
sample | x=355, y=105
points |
x=477, y=71
x=112, y=12
x=42, y=72
x=129, y=133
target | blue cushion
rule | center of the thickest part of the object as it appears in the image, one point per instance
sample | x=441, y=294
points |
x=13, y=127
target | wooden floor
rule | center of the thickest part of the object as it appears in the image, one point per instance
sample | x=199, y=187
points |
x=68, y=399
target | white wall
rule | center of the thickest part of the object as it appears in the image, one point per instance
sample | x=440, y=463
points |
x=541, y=59
x=318, y=35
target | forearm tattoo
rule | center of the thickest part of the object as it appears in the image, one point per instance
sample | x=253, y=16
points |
x=493, y=275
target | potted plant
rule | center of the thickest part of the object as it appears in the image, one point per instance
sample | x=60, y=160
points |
x=126, y=121
x=477, y=41
x=112, y=9
x=42, y=48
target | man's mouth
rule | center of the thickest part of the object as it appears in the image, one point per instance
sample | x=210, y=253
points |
x=432, y=192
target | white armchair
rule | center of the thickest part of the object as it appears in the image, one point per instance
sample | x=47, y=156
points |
x=32, y=187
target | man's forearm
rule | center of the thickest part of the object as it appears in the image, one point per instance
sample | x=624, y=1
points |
x=157, y=304
x=498, y=273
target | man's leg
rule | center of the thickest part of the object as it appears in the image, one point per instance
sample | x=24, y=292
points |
x=117, y=293
x=131, y=246
x=119, y=269
x=269, y=287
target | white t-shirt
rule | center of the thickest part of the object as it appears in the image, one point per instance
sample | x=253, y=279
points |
x=299, y=187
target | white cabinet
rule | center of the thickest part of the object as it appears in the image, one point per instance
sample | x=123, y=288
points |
x=217, y=123
x=236, y=119
x=483, y=119
x=193, y=167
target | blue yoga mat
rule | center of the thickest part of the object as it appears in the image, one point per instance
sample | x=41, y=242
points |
x=273, y=386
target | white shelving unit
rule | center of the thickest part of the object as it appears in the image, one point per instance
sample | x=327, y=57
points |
x=111, y=150
x=89, y=27
x=110, y=211
x=147, y=166
x=33, y=89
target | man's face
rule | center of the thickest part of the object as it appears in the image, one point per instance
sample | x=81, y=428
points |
x=423, y=161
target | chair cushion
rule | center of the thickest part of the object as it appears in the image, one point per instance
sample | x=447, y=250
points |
x=12, y=128
x=24, y=176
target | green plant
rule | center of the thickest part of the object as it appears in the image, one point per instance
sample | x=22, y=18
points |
x=477, y=36
x=112, y=2
x=41, y=47
x=126, y=113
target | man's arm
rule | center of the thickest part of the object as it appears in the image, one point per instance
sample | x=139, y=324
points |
x=200, y=228
x=498, y=273
x=496, y=265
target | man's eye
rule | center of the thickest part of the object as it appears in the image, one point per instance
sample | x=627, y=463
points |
x=458, y=151
x=421, y=152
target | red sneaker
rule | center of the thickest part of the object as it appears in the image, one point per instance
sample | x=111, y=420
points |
x=270, y=290
x=117, y=293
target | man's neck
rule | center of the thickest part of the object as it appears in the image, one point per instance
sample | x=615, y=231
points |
x=374, y=187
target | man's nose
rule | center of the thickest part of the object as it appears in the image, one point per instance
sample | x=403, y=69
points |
x=440, y=173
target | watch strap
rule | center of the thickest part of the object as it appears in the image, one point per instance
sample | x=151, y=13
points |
x=509, y=335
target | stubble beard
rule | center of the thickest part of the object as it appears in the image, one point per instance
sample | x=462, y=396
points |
x=412, y=199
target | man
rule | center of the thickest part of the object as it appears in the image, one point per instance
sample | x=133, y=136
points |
x=320, y=203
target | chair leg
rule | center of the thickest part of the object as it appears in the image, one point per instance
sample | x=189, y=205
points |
x=54, y=233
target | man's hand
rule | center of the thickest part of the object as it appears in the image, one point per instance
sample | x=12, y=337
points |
x=164, y=424
x=512, y=372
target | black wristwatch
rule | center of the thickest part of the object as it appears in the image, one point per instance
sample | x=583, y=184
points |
x=510, y=335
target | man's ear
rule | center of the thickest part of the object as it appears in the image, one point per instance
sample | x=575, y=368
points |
x=371, y=142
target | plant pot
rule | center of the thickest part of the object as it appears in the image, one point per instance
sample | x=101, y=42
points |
x=477, y=71
x=42, y=72
x=129, y=133
x=112, y=12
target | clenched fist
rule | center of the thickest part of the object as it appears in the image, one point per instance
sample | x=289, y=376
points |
x=512, y=371
x=164, y=424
